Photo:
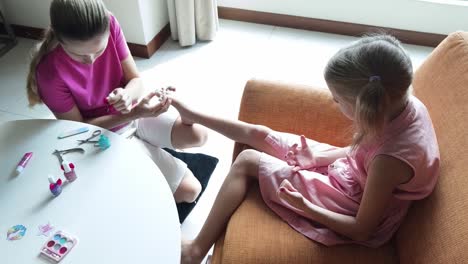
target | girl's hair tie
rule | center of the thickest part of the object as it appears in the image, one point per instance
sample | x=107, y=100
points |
x=374, y=78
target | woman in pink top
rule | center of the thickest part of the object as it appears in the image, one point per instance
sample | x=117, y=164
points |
x=83, y=71
x=357, y=194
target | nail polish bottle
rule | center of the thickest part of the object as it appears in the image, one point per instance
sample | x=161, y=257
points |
x=55, y=186
x=68, y=171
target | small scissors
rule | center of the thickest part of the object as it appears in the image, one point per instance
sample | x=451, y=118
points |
x=88, y=140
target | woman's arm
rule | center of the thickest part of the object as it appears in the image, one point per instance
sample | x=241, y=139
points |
x=134, y=85
x=108, y=121
x=123, y=99
x=385, y=173
x=145, y=108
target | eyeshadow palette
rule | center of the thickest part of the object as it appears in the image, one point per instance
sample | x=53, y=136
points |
x=58, y=245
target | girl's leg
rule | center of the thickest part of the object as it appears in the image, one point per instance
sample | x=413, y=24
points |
x=232, y=193
x=249, y=134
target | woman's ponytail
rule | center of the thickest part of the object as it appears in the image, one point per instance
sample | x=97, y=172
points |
x=38, y=52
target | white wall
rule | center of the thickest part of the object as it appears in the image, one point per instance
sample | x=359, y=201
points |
x=154, y=17
x=141, y=20
x=128, y=14
x=27, y=12
x=402, y=14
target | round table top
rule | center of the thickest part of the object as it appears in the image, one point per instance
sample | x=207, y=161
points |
x=120, y=208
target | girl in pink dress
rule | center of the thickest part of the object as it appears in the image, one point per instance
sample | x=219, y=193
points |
x=83, y=71
x=357, y=194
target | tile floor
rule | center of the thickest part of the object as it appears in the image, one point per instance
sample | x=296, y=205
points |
x=211, y=76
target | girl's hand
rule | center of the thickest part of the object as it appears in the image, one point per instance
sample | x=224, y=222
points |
x=120, y=100
x=150, y=106
x=292, y=196
x=302, y=158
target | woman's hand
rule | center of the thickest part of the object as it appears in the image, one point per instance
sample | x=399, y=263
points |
x=292, y=196
x=302, y=158
x=151, y=106
x=120, y=100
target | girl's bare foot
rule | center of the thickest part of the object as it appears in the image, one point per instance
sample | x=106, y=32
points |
x=190, y=254
x=186, y=114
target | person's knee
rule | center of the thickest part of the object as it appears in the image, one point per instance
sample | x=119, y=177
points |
x=187, y=136
x=246, y=162
x=199, y=135
x=189, y=189
x=192, y=192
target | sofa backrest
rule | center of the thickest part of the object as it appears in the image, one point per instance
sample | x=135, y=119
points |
x=436, y=228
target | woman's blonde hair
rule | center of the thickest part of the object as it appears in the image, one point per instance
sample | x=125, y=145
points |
x=372, y=74
x=72, y=20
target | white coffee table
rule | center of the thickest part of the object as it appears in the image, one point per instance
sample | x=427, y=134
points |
x=120, y=207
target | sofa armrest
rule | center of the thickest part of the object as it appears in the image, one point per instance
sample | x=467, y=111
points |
x=297, y=109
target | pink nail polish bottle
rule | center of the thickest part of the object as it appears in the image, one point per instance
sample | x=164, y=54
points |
x=68, y=171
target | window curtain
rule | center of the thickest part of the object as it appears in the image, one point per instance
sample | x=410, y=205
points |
x=192, y=20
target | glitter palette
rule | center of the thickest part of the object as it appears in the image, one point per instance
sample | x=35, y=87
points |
x=58, y=245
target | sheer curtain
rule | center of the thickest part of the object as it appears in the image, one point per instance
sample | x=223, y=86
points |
x=193, y=19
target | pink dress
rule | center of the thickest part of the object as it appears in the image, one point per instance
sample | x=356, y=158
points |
x=339, y=187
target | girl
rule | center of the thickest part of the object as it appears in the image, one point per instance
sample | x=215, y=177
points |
x=357, y=194
x=83, y=71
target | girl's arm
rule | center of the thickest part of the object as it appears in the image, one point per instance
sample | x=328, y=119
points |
x=324, y=158
x=303, y=157
x=385, y=173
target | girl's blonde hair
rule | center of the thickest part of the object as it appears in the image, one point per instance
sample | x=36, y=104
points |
x=372, y=74
x=72, y=20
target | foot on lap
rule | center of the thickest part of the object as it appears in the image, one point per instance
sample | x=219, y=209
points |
x=184, y=111
x=190, y=254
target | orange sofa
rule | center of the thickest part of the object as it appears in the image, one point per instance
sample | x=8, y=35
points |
x=436, y=228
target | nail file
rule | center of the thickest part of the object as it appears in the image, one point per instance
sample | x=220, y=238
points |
x=73, y=132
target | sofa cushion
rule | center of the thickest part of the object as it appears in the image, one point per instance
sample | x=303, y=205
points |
x=255, y=234
x=436, y=229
